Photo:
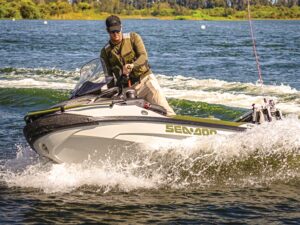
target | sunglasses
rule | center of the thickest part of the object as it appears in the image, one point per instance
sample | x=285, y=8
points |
x=114, y=31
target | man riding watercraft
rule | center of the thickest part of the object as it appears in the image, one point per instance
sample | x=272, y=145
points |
x=97, y=123
x=125, y=55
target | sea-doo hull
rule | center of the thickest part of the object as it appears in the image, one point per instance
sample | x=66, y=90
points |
x=87, y=133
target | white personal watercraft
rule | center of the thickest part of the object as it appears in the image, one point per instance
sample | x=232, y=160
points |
x=97, y=123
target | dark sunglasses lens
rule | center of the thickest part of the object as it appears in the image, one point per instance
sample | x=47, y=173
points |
x=114, y=31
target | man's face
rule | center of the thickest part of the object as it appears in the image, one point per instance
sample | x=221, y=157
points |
x=115, y=36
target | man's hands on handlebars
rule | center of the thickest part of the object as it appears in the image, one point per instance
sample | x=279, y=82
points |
x=127, y=68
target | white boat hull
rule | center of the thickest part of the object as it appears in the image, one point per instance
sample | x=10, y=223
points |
x=109, y=140
x=104, y=132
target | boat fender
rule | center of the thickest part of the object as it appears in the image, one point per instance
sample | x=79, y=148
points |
x=267, y=112
x=261, y=118
x=258, y=115
x=275, y=112
x=62, y=108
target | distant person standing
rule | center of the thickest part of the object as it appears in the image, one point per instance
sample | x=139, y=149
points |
x=125, y=54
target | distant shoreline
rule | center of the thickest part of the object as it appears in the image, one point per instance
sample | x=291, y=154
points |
x=213, y=14
x=70, y=18
x=102, y=16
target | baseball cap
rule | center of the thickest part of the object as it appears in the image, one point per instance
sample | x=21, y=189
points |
x=113, y=23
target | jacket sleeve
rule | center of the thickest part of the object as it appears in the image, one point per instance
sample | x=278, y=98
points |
x=140, y=50
x=106, y=68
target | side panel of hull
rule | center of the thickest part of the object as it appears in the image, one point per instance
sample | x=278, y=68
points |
x=113, y=140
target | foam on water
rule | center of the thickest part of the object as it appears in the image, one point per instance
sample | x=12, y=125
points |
x=190, y=83
x=38, y=78
x=32, y=83
x=232, y=94
x=212, y=91
x=259, y=157
x=29, y=171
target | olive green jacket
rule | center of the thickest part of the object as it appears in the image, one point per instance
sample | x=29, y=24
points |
x=130, y=51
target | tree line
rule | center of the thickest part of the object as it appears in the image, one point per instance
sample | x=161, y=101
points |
x=36, y=9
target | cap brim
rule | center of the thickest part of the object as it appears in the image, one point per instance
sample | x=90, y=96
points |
x=114, y=28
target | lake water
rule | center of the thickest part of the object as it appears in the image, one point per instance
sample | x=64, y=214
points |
x=252, y=177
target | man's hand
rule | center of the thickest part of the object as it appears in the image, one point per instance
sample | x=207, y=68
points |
x=127, y=69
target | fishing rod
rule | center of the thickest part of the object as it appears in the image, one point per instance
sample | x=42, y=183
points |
x=260, y=81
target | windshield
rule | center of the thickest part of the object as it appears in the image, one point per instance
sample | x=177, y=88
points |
x=91, y=79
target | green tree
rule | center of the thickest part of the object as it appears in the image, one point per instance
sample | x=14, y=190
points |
x=44, y=10
x=3, y=12
x=63, y=7
x=28, y=10
x=84, y=6
x=9, y=10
